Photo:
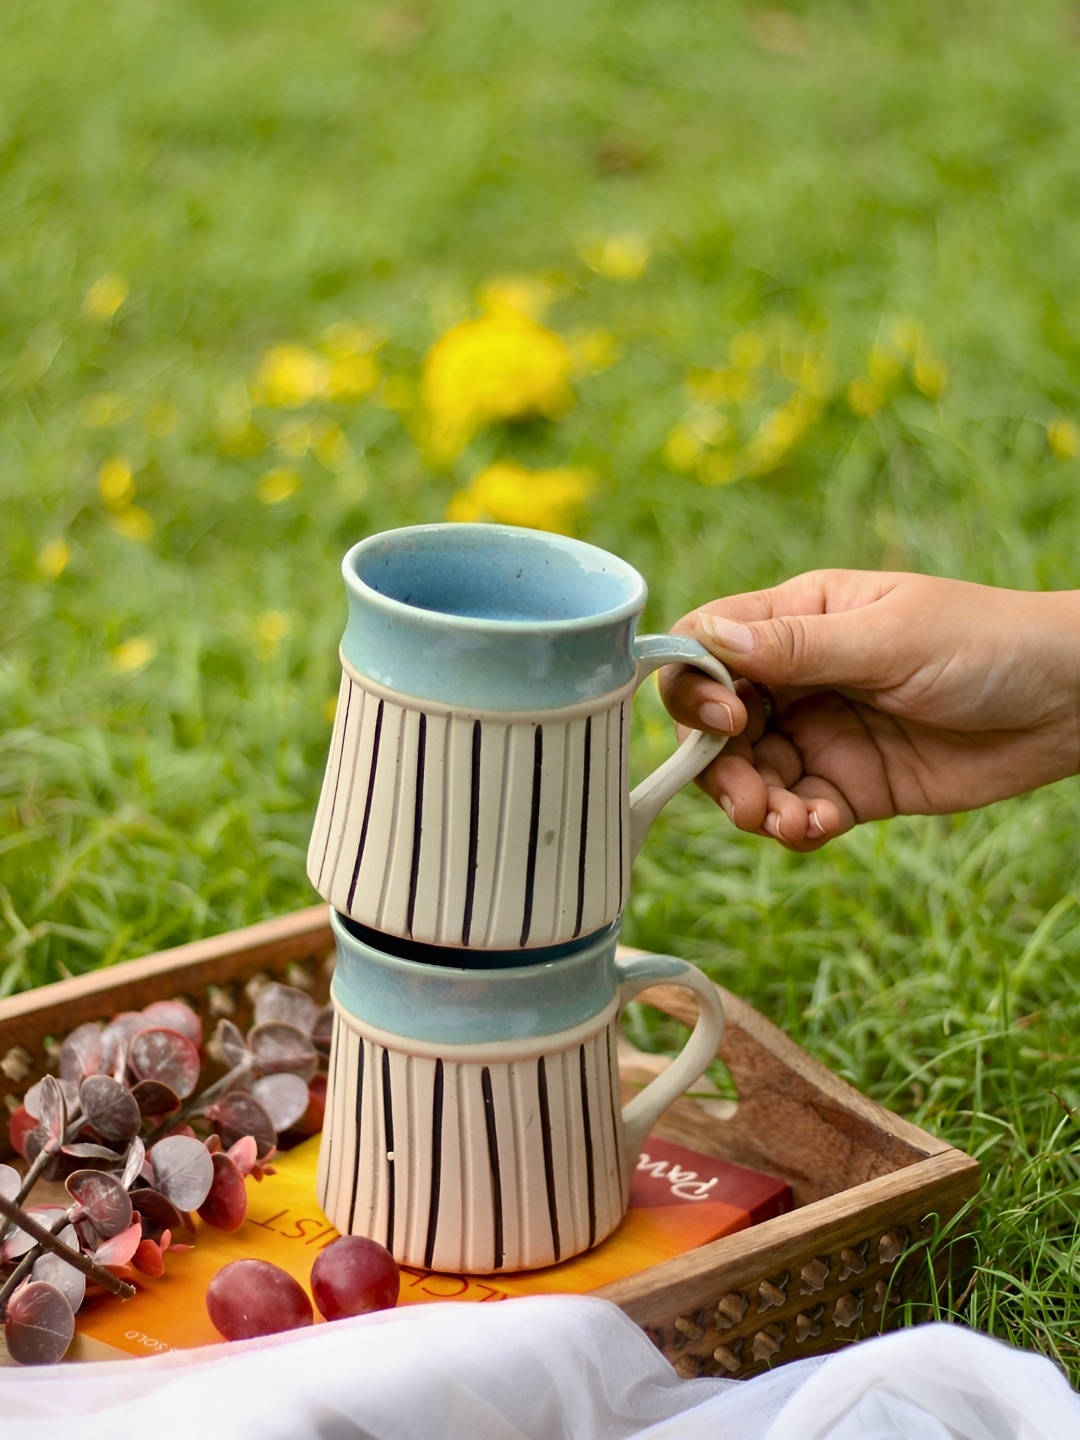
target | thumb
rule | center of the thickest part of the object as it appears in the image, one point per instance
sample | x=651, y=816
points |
x=834, y=649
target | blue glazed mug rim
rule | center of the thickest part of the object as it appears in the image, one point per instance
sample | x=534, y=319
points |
x=460, y=533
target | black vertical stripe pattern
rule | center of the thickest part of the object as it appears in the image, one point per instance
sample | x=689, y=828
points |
x=388, y=1134
x=619, y=798
x=474, y=835
x=590, y=1179
x=367, y=803
x=436, y=1164
x=549, y=1159
x=338, y=781
x=418, y=819
x=584, y=828
x=534, y=833
x=614, y=1119
x=493, y=1156
x=358, y=1112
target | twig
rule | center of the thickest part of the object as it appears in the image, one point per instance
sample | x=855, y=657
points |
x=80, y=1261
x=25, y=1265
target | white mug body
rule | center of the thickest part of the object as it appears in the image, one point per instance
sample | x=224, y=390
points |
x=473, y=1119
x=476, y=790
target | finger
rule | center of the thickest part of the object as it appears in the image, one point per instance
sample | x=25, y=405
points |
x=827, y=807
x=786, y=818
x=780, y=755
x=733, y=783
x=699, y=702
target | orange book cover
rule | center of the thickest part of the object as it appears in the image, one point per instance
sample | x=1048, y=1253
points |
x=679, y=1199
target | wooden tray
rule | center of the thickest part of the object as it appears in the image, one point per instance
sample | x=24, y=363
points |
x=872, y=1192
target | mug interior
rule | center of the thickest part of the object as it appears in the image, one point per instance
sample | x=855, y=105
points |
x=497, y=573
x=456, y=957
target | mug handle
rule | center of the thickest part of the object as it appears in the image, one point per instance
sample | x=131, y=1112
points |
x=636, y=974
x=696, y=751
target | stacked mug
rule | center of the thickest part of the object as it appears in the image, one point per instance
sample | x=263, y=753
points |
x=474, y=838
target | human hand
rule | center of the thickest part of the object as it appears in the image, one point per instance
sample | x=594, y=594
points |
x=892, y=694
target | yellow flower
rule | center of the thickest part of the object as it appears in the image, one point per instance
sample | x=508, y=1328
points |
x=104, y=407
x=132, y=655
x=277, y=485
x=719, y=467
x=1063, y=437
x=512, y=495
x=682, y=449
x=499, y=367
x=132, y=522
x=115, y=484
x=930, y=375
x=290, y=376
x=53, y=558
x=594, y=350
x=779, y=432
x=352, y=377
x=105, y=296
x=518, y=294
x=906, y=335
x=331, y=446
x=886, y=372
x=748, y=350
x=270, y=629
x=161, y=419
x=345, y=340
x=704, y=385
x=619, y=257
x=865, y=398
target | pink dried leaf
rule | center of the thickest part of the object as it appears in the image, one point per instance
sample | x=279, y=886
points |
x=81, y=1053
x=167, y=1057
x=244, y=1154
x=89, y=1150
x=279, y=1047
x=32, y=1098
x=322, y=1032
x=232, y=1043
x=10, y=1182
x=52, y=1111
x=110, y=1108
x=157, y=1212
x=284, y=1097
x=183, y=1170
x=175, y=1015
x=285, y=1002
x=39, y=1324
x=18, y=1242
x=55, y=1270
x=154, y=1098
x=102, y=1200
x=238, y=1114
x=133, y=1163
x=119, y=1249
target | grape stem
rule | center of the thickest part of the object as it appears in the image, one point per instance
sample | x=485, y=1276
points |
x=82, y=1262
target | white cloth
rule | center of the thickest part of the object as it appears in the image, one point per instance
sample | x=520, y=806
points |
x=543, y=1368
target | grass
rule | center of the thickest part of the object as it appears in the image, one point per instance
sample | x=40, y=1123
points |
x=830, y=179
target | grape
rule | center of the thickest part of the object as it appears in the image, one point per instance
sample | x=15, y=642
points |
x=352, y=1276
x=252, y=1297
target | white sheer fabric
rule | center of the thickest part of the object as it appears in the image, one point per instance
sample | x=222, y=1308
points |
x=543, y=1368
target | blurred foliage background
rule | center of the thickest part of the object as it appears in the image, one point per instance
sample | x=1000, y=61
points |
x=734, y=291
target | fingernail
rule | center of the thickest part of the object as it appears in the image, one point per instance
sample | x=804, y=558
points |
x=814, y=827
x=728, y=634
x=771, y=826
x=715, y=715
x=728, y=808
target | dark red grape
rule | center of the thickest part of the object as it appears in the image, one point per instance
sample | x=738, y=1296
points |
x=352, y=1276
x=311, y=1122
x=252, y=1297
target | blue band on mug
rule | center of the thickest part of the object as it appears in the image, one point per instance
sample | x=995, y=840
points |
x=480, y=616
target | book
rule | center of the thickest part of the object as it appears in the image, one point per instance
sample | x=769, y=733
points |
x=679, y=1199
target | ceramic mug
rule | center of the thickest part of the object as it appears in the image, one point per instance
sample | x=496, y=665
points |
x=476, y=791
x=473, y=1121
